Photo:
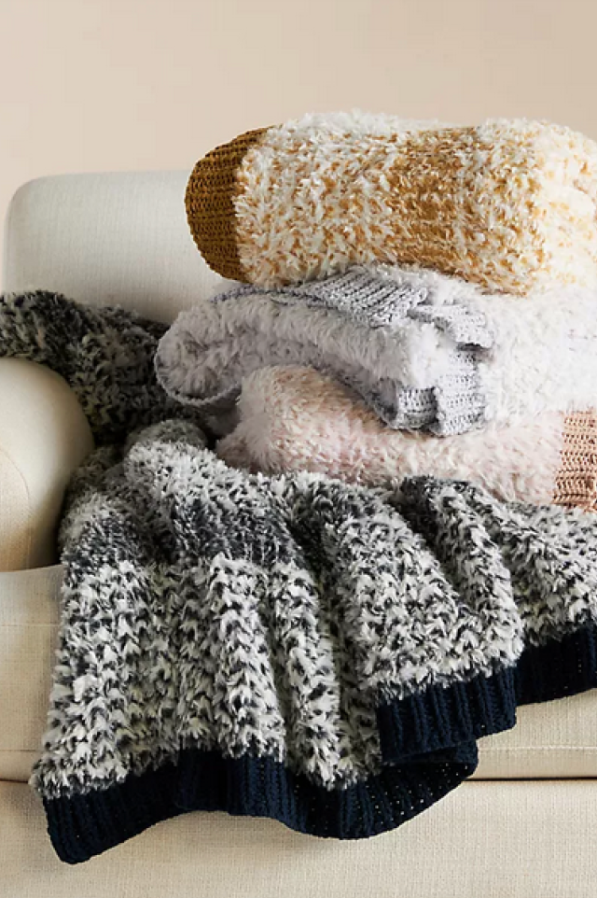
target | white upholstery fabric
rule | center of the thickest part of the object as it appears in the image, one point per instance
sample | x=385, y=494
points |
x=44, y=436
x=103, y=240
x=107, y=239
x=557, y=739
x=486, y=840
x=553, y=740
x=28, y=629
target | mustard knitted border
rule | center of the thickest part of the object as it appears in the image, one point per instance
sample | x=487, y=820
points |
x=209, y=203
x=576, y=480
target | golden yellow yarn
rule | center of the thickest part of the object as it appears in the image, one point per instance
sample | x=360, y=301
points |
x=510, y=205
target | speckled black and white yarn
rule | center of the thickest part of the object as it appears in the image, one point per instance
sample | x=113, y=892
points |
x=204, y=607
x=291, y=647
x=105, y=354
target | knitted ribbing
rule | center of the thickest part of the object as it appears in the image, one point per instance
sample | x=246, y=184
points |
x=577, y=477
x=385, y=297
x=209, y=202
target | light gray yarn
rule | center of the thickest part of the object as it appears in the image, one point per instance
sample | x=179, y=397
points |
x=359, y=327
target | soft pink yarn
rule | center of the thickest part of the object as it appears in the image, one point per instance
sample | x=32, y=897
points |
x=295, y=419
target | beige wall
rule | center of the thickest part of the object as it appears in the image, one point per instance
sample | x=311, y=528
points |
x=124, y=84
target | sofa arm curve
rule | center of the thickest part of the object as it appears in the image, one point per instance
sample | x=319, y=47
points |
x=44, y=436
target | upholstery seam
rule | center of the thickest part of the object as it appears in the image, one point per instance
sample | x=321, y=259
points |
x=54, y=624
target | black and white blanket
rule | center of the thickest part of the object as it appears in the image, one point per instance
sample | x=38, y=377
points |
x=289, y=647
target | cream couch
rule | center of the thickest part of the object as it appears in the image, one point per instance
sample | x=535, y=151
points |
x=525, y=826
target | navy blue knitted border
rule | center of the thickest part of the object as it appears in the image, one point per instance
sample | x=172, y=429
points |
x=427, y=744
x=443, y=716
x=86, y=825
x=564, y=666
x=262, y=787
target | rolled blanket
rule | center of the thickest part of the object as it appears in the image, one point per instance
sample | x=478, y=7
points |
x=295, y=419
x=294, y=648
x=424, y=350
x=510, y=205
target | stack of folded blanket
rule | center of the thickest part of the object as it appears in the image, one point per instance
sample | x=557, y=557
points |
x=419, y=300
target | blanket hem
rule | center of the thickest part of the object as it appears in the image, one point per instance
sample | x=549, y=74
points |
x=84, y=825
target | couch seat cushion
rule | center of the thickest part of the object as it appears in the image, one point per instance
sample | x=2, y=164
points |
x=551, y=741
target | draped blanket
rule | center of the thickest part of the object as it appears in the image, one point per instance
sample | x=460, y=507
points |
x=291, y=647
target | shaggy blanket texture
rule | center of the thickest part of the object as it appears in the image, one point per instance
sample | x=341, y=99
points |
x=510, y=205
x=294, y=648
x=296, y=419
x=291, y=647
x=413, y=357
x=424, y=350
x=106, y=355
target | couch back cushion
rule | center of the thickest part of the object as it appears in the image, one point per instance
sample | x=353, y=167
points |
x=107, y=239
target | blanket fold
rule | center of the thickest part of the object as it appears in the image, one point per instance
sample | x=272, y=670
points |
x=296, y=419
x=390, y=335
x=424, y=351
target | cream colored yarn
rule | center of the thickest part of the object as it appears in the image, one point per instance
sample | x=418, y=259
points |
x=509, y=205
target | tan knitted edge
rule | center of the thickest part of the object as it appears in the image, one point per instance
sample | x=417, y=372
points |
x=209, y=202
x=576, y=479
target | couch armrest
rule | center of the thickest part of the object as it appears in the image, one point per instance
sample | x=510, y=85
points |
x=44, y=435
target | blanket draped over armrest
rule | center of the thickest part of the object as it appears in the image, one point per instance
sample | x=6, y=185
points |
x=106, y=355
x=292, y=647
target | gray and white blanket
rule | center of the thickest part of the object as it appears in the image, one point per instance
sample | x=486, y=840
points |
x=404, y=343
x=424, y=350
x=289, y=647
